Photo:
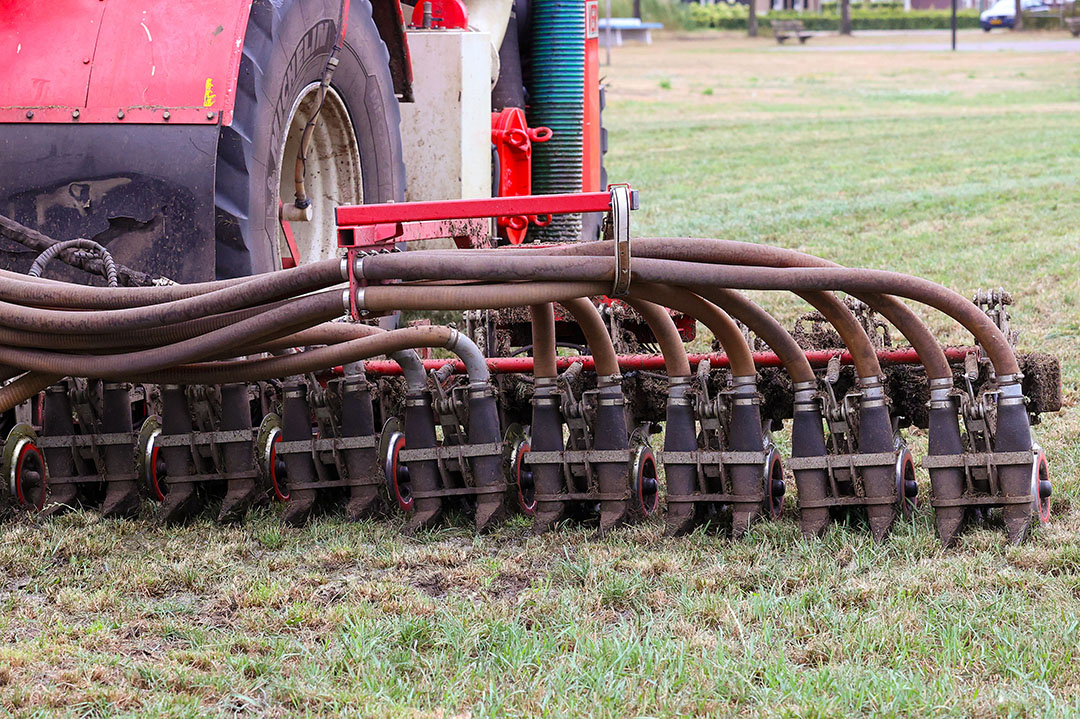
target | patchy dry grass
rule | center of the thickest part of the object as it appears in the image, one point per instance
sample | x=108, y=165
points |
x=962, y=168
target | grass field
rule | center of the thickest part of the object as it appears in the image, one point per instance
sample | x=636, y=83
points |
x=962, y=168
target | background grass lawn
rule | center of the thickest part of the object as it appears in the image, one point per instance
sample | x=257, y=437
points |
x=962, y=168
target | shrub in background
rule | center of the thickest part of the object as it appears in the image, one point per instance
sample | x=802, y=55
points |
x=865, y=15
x=734, y=17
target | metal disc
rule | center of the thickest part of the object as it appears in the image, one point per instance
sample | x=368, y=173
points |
x=513, y=435
x=146, y=456
x=775, y=489
x=646, y=482
x=390, y=427
x=515, y=447
x=639, y=436
x=266, y=452
x=526, y=489
x=22, y=455
x=1040, y=473
x=391, y=442
x=905, y=474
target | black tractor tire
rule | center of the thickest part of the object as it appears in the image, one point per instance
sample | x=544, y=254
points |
x=286, y=47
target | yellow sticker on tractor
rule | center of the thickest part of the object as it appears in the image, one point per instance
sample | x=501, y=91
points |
x=209, y=96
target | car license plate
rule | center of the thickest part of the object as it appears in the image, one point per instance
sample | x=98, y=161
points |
x=996, y=21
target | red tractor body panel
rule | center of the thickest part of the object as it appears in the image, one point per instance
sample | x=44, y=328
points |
x=129, y=61
x=591, y=142
x=93, y=61
x=39, y=69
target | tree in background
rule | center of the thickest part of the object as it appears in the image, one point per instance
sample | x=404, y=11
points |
x=751, y=23
x=845, y=17
x=637, y=9
x=1018, y=23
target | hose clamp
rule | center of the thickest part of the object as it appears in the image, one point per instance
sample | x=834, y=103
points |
x=749, y=380
x=869, y=383
x=940, y=397
x=619, y=228
x=804, y=395
x=355, y=385
x=940, y=392
x=873, y=394
x=676, y=381
x=871, y=388
x=1011, y=393
x=539, y=382
x=477, y=390
x=1010, y=389
x=360, y=305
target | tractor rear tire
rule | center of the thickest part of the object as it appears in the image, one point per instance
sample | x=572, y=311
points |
x=285, y=53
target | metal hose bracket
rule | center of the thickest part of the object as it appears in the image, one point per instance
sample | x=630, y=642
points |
x=618, y=229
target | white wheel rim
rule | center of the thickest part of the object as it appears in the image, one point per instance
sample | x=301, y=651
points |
x=333, y=173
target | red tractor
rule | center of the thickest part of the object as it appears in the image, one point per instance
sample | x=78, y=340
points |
x=242, y=175
x=212, y=139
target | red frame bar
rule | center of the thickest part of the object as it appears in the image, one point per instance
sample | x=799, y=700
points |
x=564, y=204
x=466, y=234
x=655, y=363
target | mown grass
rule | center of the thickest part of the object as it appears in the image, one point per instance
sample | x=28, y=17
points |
x=972, y=183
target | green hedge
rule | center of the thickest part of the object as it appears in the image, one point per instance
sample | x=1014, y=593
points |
x=1042, y=22
x=888, y=20
x=834, y=7
x=734, y=17
x=672, y=14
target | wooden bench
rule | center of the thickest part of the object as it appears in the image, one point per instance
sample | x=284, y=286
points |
x=630, y=27
x=783, y=29
x=1073, y=25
